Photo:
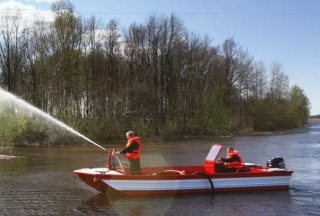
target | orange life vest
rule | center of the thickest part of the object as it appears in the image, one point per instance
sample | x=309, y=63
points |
x=235, y=164
x=135, y=153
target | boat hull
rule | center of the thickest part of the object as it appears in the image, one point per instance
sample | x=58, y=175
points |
x=182, y=184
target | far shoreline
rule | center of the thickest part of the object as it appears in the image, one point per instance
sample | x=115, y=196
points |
x=159, y=139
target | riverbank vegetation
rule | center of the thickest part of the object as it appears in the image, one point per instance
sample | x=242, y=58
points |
x=315, y=116
x=156, y=78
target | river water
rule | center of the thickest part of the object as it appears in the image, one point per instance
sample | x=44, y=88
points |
x=41, y=182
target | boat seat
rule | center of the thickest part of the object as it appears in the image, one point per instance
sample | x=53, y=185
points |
x=170, y=172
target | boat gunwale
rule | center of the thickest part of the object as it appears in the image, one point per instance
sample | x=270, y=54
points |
x=187, y=176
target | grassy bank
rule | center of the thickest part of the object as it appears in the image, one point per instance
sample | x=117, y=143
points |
x=16, y=130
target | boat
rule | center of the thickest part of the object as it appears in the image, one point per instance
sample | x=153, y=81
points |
x=187, y=179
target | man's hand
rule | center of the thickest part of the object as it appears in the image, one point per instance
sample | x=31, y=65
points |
x=221, y=160
x=116, y=153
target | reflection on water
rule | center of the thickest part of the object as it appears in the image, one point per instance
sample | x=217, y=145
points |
x=42, y=183
x=199, y=204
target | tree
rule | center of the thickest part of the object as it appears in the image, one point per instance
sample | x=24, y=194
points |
x=11, y=44
x=154, y=77
x=299, y=108
x=279, y=81
x=214, y=115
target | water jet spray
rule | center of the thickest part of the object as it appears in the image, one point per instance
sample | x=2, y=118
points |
x=6, y=96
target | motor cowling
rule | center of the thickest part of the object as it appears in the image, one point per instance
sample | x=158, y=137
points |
x=276, y=162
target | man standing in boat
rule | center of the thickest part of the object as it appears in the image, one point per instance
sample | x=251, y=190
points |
x=232, y=162
x=132, y=153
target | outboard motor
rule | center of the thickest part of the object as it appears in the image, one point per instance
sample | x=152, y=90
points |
x=276, y=162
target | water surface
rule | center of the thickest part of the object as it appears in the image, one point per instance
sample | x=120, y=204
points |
x=42, y=182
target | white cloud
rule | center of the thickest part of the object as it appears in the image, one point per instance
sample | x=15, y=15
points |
x=29, y=13
x=49, y=1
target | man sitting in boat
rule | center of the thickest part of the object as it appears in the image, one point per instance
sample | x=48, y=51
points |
x=232, y=162
x=132, y=153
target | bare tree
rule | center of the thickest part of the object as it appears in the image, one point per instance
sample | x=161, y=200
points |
x=279, y=81
x=11, y=45
x=259, y=80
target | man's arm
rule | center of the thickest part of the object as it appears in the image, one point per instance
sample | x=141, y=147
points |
x=130, y=148
x=233, y=158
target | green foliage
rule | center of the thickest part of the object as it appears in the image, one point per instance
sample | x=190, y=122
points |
x=299, y=106
x=60, y=136
x=142, y=128
x=214, y=115
x=261, y=115
x=12, y=125
x=268, y=114
x=168, y=132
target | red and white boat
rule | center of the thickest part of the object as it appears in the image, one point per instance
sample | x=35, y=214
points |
x=188, y=179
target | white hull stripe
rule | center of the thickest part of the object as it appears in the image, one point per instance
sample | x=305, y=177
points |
x=189, y=184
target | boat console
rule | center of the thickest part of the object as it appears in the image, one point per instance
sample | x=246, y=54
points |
x=210, y=161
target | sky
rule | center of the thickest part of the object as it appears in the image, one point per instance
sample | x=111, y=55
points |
x=287, y=31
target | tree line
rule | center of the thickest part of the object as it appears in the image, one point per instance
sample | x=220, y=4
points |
x=156, y=78
x=315, y=116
